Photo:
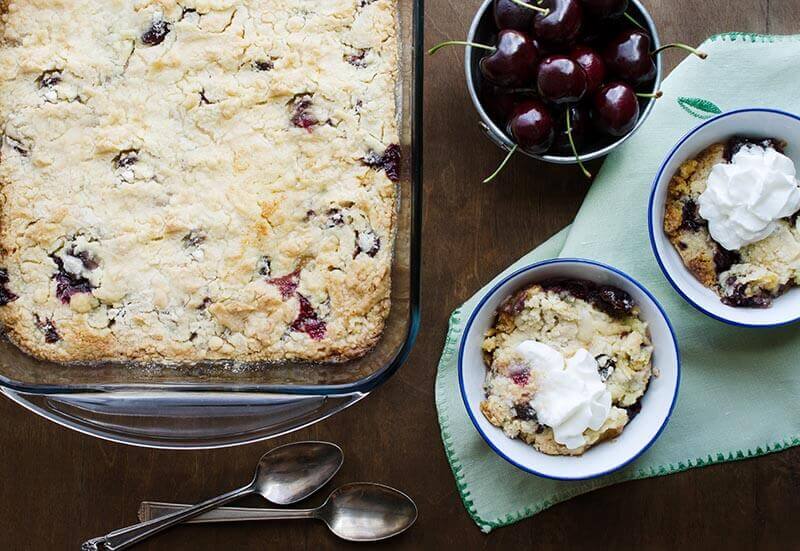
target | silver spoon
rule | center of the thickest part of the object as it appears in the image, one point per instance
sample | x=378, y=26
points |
x=285, y=475
x=362, y=511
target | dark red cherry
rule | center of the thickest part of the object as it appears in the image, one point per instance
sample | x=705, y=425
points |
x=562, y=25
x=307, y=320
x=594, y=32
x=156, y=33
x=592, y=65
x=580, y=124
x=510, y=15
x=514, y=61
x=287, y=284
x=498, y=102
x=388, y=161
x=628, y=56
x=615, y=109
x=532, y=127
x=561, y=80
x=6, y=295
x=605, y=8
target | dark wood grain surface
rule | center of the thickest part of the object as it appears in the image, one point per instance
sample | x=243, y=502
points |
x=58, y=487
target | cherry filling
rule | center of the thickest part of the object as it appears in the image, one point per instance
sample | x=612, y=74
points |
x=335, y=218
x=264, y=266
x=49, y=79
x=605, y=366
x=357, y=60
x=48, y=327
x=724, y=259
x=193, y=239
x=738, y=142
x=86, y=259
x=287, y=285
x=6, y=295
x=521, y=378
x=389, y=162
x=17, y=146
x=613, y=301
x=156, y=33
x=736, y=295
x=525, y=412
x=68, y=284
x=301, y=117
x=514, y=304
x=367, y=242
x=690, y=216
x=307, y=320
x=634, y=409
x=126, y=158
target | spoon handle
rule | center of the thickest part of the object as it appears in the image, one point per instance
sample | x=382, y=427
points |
x=149, y=510
x=124, y=537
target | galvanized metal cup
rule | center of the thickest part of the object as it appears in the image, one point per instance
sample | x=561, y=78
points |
x=483, y=30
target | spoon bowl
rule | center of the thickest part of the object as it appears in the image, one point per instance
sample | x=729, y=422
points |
x=367, y=512
x=290, y=473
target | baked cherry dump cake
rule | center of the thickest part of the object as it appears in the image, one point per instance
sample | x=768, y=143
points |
x=731, y=214
x=197, y=180
x=568, y=363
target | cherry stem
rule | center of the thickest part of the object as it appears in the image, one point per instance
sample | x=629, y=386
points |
x=655, y=95
x=502, y=165
x=695, y=51
x=575, y=149
x=543, y=11
x=633, y=20
x=459, y=43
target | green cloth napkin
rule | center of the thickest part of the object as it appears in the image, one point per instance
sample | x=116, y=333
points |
x=740, y=387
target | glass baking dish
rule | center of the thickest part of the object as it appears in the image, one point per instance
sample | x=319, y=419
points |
x=215, y=404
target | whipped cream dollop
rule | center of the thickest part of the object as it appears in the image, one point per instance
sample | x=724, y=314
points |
x=570, y=394
x=745, y=198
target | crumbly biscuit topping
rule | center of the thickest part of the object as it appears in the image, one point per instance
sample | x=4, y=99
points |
x=209, y=179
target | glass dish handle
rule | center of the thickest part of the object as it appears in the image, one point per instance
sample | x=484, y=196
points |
x=184, y=419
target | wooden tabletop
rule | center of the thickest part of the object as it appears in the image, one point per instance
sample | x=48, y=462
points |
x=58, y=487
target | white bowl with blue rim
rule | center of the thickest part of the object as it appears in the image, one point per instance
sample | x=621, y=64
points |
x=657, y=402
x=754, y=122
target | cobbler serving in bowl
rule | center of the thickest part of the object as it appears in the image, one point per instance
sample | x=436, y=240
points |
x=568, y=363
x=560, y=356
x=731, y=214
